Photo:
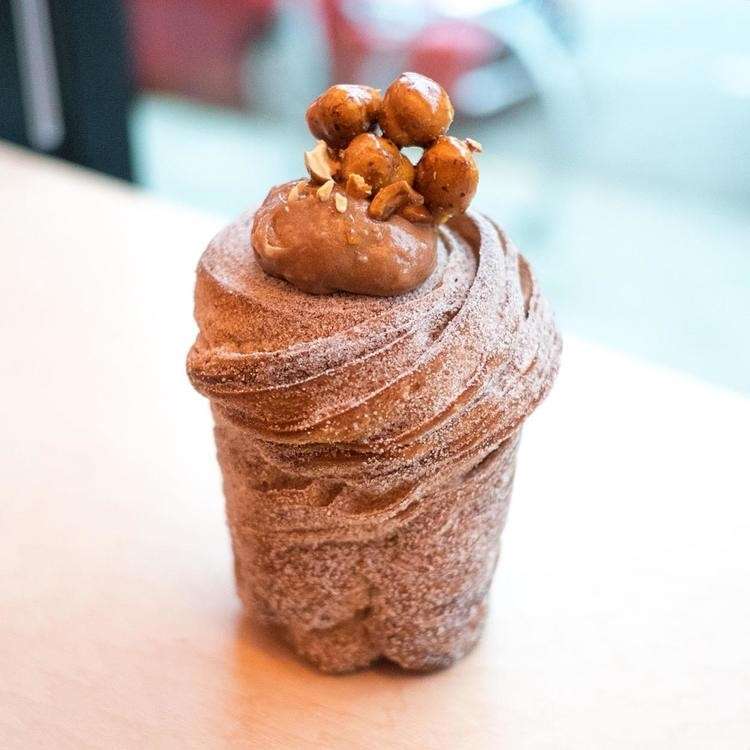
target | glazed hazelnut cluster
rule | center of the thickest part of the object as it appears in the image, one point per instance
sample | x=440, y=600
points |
x=361, y=134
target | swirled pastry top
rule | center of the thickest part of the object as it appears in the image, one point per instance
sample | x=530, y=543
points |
x=405, y=384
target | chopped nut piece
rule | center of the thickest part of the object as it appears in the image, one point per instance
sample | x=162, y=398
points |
x=341, y=202
x=357, y=187
x=416, y=214
x=293, y=194
x=351, y=236
x=405, y=170
x=325, y=190
x=391, y=198
x=474, y=146
x=319, y=164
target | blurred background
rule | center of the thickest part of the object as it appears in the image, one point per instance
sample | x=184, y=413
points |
x=616, y=134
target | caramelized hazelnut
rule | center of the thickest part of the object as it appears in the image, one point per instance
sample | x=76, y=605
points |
x=341, y=202
x=320, y=163
x=325, y=190
x=357, y=187
x=447, y=177
x=391, y=198
x=416, y=110
x=374, y=158
x=405, y=170
x=342, y=112
x=415, y=213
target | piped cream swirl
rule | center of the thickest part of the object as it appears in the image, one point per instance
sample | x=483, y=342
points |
x=320, y=249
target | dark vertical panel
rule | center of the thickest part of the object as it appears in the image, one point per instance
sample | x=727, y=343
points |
x=11, y=108
x=91, y=55
x=91, y=51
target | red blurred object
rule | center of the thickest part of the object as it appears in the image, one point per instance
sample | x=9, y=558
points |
x=350, y=43
x=448, y=49
x=443, y=49
x=198, y=47
x=195, y=47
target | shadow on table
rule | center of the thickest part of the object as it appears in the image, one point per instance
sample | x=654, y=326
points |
x=260, y=646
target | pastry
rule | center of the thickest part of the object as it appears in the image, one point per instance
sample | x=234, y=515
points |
x=371, y=348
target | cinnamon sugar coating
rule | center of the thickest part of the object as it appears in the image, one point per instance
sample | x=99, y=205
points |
x=368, y=443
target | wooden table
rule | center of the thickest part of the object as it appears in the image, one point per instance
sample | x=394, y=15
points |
x=621, y=609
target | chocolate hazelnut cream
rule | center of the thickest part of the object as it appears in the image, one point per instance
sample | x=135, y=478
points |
x=321, y=249
x=368, y=443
